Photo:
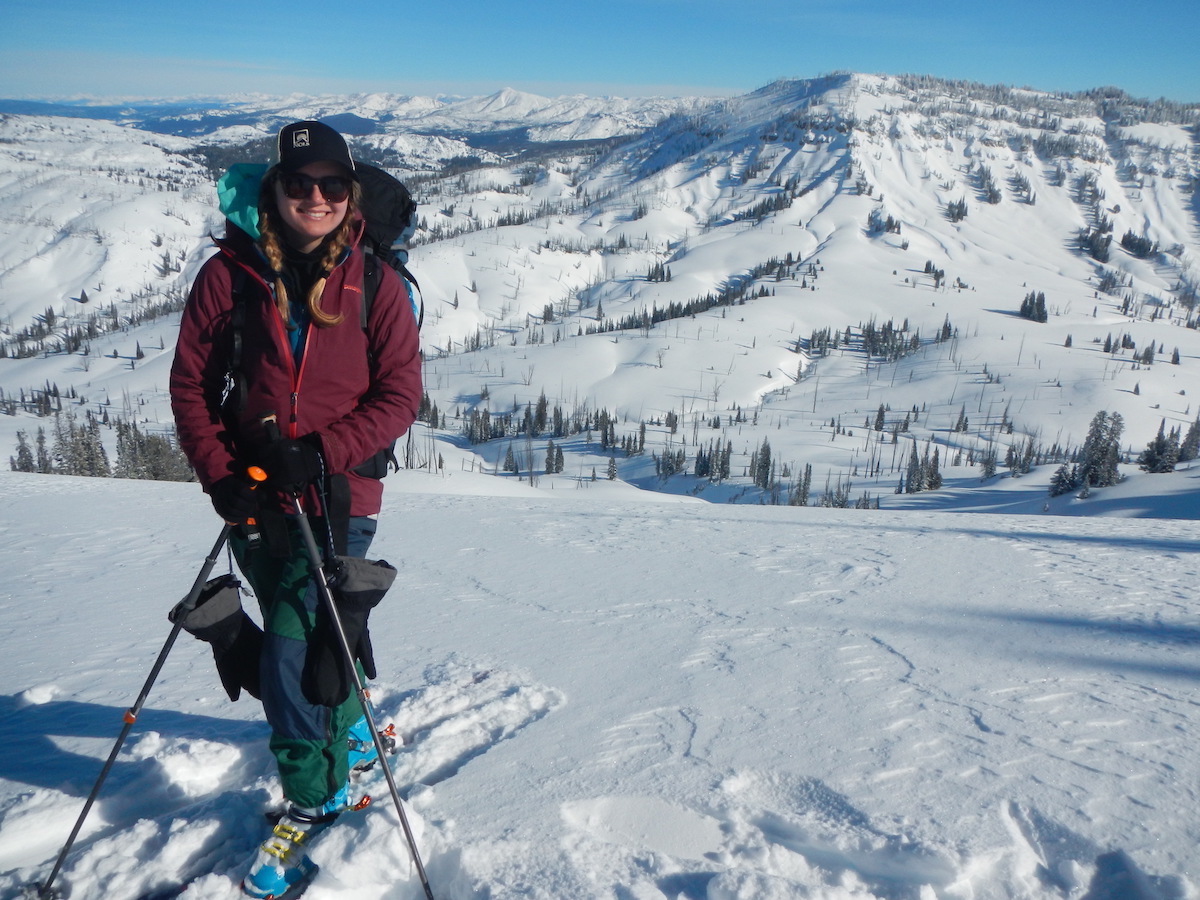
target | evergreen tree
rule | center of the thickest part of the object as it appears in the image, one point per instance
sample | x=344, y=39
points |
x=1063, y=480
x=541, y=415
x=761, y=471
x=1101, y=453
x=1190, y=446
x=44, y=464
x=1033, y=307
x=933, y=475
x=23, y=461
x=987, y=463
x=914, y=481
x=799, y=495
x=1162, y=453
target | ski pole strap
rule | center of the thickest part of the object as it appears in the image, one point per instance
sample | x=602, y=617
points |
x=337, y=514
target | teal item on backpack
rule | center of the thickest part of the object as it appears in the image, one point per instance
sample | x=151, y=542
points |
x=237, y=191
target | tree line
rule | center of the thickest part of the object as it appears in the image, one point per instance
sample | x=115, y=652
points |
x=76, y=447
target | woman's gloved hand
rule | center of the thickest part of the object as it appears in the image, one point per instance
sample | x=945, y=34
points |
x=291, y=465
x=234, y=500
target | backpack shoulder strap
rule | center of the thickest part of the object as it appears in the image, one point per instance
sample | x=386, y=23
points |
x=234, y=394
x=371, y=278
x=418, y=308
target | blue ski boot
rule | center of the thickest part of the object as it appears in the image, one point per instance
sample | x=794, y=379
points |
x=362, y=752
x=281, y=868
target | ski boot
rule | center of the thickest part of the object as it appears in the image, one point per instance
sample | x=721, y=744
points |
x=282, y=869
x=362, y=751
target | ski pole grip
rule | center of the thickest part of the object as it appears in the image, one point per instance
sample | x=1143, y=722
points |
x=253, y=535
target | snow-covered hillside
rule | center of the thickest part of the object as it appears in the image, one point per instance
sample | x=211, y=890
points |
x=611, y=688
x=833, y=268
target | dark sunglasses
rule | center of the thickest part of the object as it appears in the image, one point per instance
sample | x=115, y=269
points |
x=298, y=186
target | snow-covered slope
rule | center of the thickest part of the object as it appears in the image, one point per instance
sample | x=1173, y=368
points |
x=614, y=699
x=708, y=284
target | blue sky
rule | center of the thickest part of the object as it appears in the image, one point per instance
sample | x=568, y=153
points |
x=169, y=48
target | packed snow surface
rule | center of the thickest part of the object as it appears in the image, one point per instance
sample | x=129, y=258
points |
x=625, y=700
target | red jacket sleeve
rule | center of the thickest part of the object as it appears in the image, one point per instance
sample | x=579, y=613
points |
x=198, y=373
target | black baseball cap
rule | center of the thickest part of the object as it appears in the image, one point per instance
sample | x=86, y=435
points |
x=301, y=143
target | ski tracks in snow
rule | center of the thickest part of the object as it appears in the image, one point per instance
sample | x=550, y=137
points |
x=459, y=714
x=770, y=836
x=766, y=836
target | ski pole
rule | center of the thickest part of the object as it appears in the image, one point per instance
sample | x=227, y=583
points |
x=318, y=574
x=44, y=891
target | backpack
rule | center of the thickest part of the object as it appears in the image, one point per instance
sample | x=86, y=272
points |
x=389, y=214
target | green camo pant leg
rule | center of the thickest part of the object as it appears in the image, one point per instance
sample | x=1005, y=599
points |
x=309, y=741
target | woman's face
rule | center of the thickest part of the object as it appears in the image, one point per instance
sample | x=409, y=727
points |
x=309, y=218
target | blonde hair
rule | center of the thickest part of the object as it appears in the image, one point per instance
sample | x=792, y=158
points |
x=271, y=242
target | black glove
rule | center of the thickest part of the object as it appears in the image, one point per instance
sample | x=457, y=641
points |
x=292, y=465
x=233, y=498
x=218, y=619
x=357, y=586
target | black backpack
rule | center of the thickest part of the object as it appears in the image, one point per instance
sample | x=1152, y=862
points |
x=390, y=214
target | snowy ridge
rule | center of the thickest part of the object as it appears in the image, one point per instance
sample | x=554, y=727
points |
x=771, y=211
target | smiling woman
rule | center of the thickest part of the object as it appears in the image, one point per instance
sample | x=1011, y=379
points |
x=282, y=316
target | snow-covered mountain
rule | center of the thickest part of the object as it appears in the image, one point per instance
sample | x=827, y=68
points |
x=548, y=119
x=827, y=274
x=832, y=267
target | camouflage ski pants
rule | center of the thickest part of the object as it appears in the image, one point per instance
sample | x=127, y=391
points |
x=309, y=741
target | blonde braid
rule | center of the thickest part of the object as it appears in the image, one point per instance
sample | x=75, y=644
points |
x=335, y=246
x=273, y=250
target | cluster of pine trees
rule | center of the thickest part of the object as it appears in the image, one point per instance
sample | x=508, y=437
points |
x=537, y=419
x=888, y=341
x=923, y=472
x=939, y=275
x=713, y=462
x=1097, y=463
x=54, y=333
x=988, y=186
x=1096, y=242
x=78, y=449
x=878, y=224
x=1140, y=246
x=1033, y=307
x=735, y=292
x=1167, y=449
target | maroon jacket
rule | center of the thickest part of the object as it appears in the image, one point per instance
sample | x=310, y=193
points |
x=357, y=398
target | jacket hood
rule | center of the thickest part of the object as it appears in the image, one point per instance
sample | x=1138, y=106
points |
x=237, y=193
